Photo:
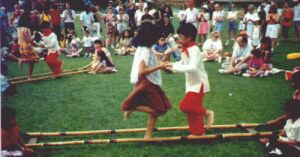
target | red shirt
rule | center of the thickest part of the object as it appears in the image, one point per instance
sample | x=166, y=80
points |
x=287, y=17
x=55, y=17
x=10, y=138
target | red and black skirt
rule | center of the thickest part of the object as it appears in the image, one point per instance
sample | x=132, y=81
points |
x=146, y=93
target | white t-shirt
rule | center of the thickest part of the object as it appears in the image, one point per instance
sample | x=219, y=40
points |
x=217, y=14
x=145, y=54
x=254, y=17
x=191, y=15
x=87, y=19
x=138, y=17
x=212, y=46
x=241, y=52
x=69, y=16
x=292, y=131
x=123, y=18
x=87, y=41
x=297, y=13
x=193, y=67
x=181, y=15
x=232, y=15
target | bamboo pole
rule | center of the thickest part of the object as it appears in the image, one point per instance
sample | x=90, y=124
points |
x=37, y=75
x=136, y=130
x=48, y=77
x=157, y=139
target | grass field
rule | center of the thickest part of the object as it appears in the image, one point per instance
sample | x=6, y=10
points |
x=90, y=102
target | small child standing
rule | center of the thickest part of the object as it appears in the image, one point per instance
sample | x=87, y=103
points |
x=256, y=37
x=11, y=142
x=87, y=44
x=286, y=143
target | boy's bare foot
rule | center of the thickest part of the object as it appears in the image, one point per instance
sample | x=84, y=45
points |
x=127, y=115
x=264, y=140
x=210, y=118
x=92, y=72
x=147, y=136
x=29, y=78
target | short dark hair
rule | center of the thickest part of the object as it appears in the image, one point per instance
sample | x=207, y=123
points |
x=267, y=41
x=188, y=30
x=257, y=53
x=8, y=114
x=45, y=25
x=293, y=107
x=98, y=42
x=147, y=34
x=296, y=80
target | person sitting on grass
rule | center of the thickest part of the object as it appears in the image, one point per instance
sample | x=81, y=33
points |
x=101, y=63
x=87, y=44
x=7, y=89
x=295, y=82
x=212, y=48
x=240, y=56
x=160, y=47
x=255, y=65
x=12, y=144
x=73, y=46
x=124, y=45
x=287, y=142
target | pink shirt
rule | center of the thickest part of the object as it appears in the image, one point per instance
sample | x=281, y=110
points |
x=256, y=62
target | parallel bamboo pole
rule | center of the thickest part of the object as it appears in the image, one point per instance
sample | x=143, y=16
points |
x=157, y=139
x=37, y=75
x=50, y=76
x=136, y=130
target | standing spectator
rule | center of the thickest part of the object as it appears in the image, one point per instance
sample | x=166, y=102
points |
x=241, y=15
x=182, y=15
x=191, y=14
x=87, y=3
x=232, y=22
x=110, y=24
x=97, y=19
x=287, y=16
x=218, y=18
x=147, y=17
x=297, y=19
x=131, y=15
x=34, y=21
x=55, y=16
x=272, y=28
x=265, y=6
x=68, y=18
x=249, y=19
x=169, y=12
x=45, y=16
x=203, y=24
x=262, y=20
x=3, y=26
x=138, y=15
x=86, y=18
x=122, y=22
x=166, y=27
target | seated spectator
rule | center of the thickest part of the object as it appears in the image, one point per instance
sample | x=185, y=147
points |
x=255, y=65
x=240, y=56
x=212, y=48
x=160, y=47
x=7, y=89
x=11, y=142
x=87, y=44
x=73, y=46
x=124, y=45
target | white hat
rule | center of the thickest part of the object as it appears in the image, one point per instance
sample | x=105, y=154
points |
x=205, y=6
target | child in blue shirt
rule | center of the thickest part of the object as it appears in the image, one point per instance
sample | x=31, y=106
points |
x=160, y=48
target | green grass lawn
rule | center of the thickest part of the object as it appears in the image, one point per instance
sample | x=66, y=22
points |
x=91, y=102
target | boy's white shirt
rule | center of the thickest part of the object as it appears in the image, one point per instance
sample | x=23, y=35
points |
x=292, y=131
x=51, y=43
x=193, y=67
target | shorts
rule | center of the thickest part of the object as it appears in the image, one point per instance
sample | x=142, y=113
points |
x=232, y=26
x=272, y=31
x=121, y=27
x=219, y=26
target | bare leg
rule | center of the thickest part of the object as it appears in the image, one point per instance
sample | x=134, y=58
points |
x=210, y=118
x=30, y=70
x=150, y=126
x=200, y=39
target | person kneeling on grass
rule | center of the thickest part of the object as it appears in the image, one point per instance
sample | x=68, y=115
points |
x=12, y=144
x=287, y=142
x=196, y=81
x=101, y=63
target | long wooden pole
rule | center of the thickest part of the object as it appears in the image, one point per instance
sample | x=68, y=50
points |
x=158, y=139
x=37, y=75
x=136, y=130
x=48, y=77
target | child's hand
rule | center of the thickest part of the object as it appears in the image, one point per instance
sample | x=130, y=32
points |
x=164, y=65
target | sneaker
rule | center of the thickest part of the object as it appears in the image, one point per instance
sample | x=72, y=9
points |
x=223, y=71
x=227, y=42
x=219, y=59
x=246, y=75
x=112, y=46
x=90, y=55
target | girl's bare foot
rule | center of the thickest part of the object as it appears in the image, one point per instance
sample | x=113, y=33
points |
x=147, y=136
x=29, y=78
x=210, y=118
x=264, y=140
x=127, y=115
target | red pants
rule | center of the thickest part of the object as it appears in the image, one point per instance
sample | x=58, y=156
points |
x=53, y=63
x=192, y=106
